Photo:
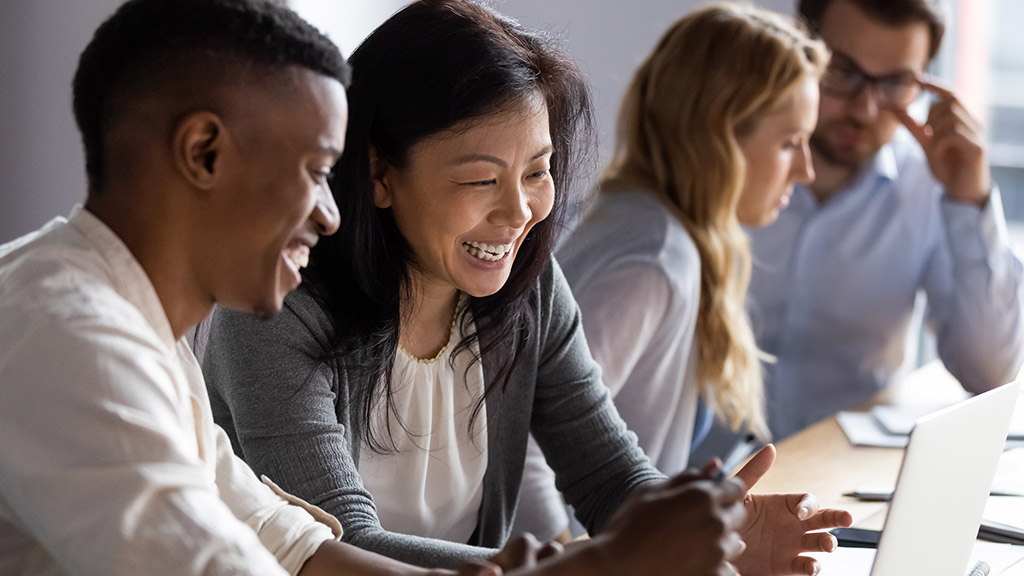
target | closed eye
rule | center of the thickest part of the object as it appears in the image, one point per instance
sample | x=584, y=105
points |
x=322, y=176
x=488, y=182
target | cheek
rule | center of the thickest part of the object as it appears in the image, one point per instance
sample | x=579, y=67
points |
x=887, y=126
x=542, y=203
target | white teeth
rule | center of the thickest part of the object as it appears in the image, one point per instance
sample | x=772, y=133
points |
x=299, y=257
x=491, y=253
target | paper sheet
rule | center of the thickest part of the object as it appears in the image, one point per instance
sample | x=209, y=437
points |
x=862, y=429
x=900, y=419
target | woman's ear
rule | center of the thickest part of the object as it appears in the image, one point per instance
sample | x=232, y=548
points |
x=197, y=147
x=379, y=173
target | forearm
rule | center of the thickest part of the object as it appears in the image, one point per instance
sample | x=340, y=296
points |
x=414, y=550
x=334, y=558
x=980, y=335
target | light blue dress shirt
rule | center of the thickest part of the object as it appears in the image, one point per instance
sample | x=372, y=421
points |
x=834, y=286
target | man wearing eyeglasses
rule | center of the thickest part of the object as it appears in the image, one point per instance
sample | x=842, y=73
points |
x=893, y=213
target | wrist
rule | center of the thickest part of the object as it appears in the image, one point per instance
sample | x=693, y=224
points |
x=979, y=201
x=588, y=557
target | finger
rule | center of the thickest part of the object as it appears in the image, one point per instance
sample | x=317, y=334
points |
x=732, y=545
x=712, y=467
x=757, y=467
x=829, y=518
x=818, y=542
x=549, y=549
x=804, y=506
x=730, y=491
x=727, y=569
x=955, y=121
x=960, y=145
x=939, y=90
x=806, y=565
x=918, y=131
x=518, y=552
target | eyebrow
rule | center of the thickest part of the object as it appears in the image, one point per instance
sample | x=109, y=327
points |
x=897, y=72
x=468, y=158
x=329, y=151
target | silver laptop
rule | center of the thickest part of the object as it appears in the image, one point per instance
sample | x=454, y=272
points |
x=947, y=470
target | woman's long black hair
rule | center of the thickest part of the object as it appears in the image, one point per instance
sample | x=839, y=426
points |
x=431, y=66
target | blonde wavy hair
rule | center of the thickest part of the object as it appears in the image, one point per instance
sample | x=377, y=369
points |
x=710, y=78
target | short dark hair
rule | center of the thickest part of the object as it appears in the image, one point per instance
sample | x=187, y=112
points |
x=432, y=66
x=892, y=12
x=147, y=42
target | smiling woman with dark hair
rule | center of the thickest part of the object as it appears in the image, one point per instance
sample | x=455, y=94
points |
x=435, y=332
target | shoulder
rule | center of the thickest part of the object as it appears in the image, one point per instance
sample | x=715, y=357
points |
x=302, y=324
x=631, y=230
x=54, y=281
x=63, y=323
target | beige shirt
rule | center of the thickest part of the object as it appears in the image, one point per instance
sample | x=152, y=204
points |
x=110, y=462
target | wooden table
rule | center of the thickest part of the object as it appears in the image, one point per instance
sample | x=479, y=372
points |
x=821, y=460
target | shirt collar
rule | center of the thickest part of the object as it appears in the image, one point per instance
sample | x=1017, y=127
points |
x=126, y=274
x=884, y=164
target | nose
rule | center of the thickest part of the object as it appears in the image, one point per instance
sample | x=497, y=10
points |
x=865, y=105
x=513, y=206
x=325, y=213
x=802, y=170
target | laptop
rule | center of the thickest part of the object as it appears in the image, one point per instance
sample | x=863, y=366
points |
x=948, y=467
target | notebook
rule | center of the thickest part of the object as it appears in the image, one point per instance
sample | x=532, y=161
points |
x=948, y=467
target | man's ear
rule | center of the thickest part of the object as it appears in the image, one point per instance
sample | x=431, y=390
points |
x=379, y=173
x=198, y=147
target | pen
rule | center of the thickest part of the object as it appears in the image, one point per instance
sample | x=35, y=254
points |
x=980, y=569
x=744, y=447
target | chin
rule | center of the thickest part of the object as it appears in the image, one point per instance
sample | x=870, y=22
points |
x=484, y=290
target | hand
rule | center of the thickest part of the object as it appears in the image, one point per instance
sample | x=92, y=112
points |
x=685, y=525
x=780, y=527
x=524, y=552
x=954, y=143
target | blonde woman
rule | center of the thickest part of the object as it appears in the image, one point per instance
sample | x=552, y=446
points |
x=712, y=134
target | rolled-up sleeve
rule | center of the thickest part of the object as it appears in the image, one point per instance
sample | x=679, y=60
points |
x=100, y=463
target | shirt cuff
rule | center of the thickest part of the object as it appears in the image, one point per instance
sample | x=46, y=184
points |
x=975, y=234
x=294, y=530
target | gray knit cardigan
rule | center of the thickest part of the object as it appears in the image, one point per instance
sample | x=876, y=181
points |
x=286, y=409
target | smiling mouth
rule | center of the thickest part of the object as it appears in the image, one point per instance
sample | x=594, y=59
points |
x=297, y=255
x=488, y=252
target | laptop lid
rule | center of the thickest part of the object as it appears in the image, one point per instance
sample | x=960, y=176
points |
x=944, y=481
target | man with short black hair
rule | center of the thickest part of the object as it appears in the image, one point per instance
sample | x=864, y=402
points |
x=891, y=213
x=209, y=127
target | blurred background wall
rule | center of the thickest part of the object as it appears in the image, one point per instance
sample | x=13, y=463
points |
x=41, y=166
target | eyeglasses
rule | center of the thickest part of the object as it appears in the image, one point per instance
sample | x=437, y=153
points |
x=845, y=79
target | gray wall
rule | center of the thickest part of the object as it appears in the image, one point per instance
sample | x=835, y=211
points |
x=41, y=158
x=609, y=38
x=40, y=154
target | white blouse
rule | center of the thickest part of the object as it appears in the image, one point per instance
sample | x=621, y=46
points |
x=432, y=486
